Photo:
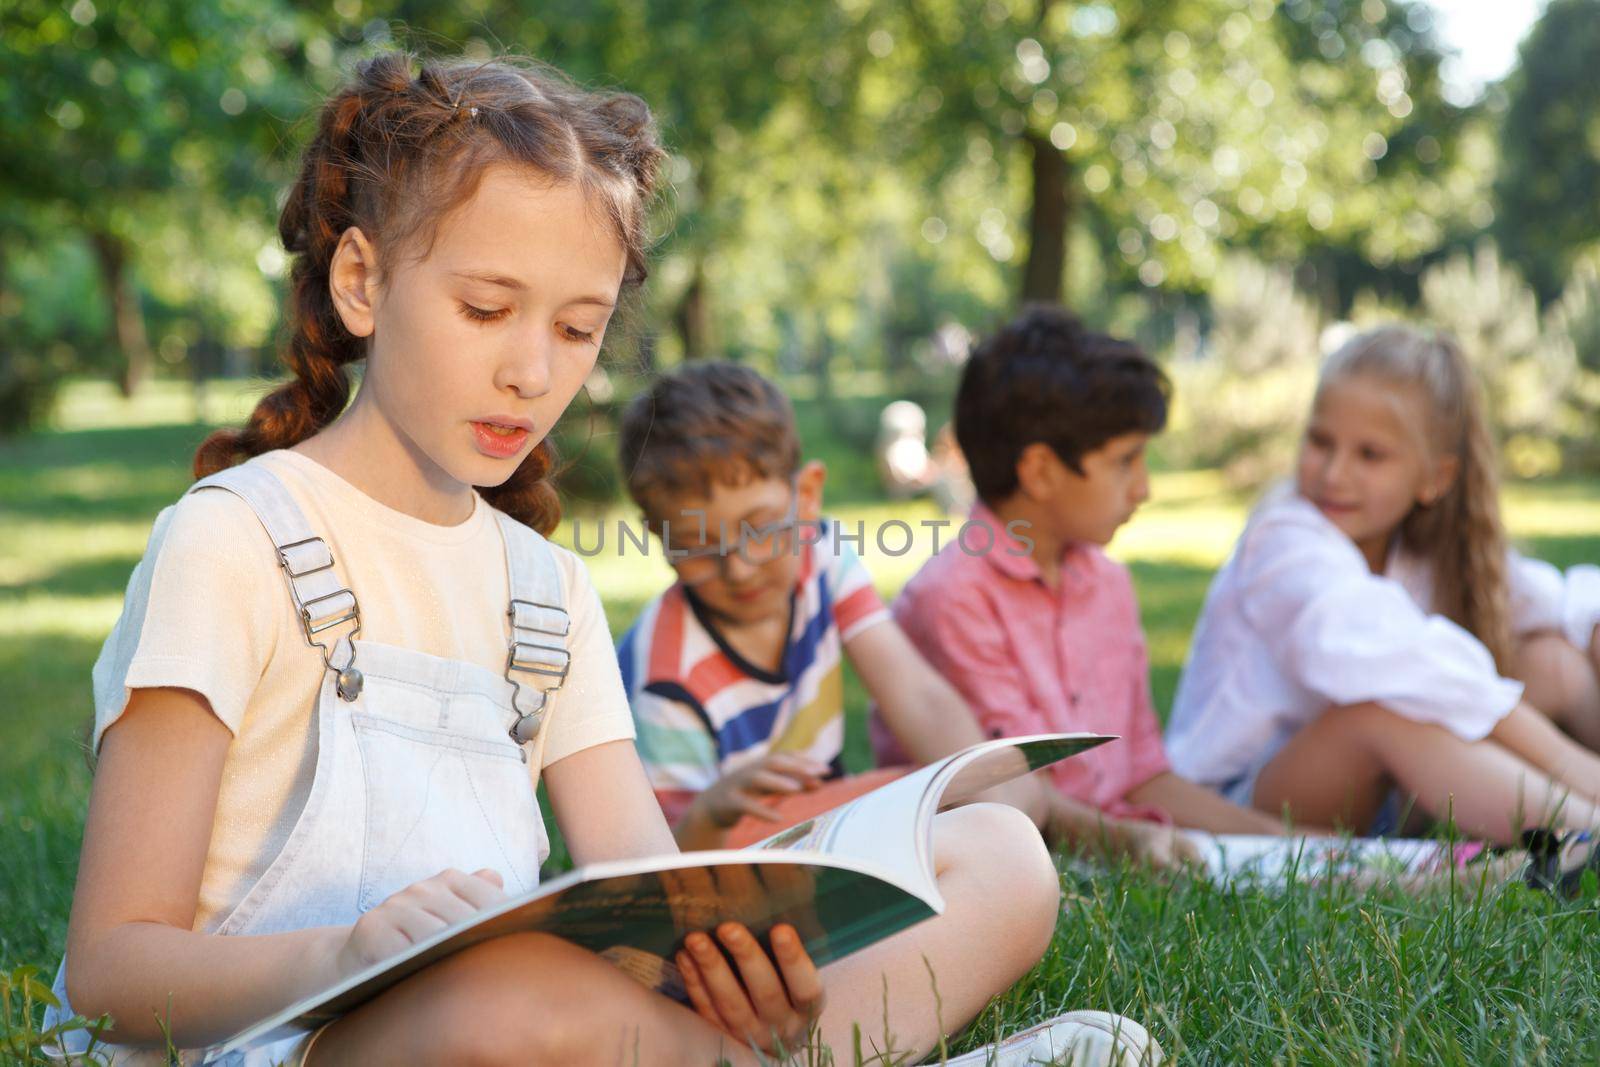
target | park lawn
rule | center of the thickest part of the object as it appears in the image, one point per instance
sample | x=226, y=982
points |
x=1324, y=975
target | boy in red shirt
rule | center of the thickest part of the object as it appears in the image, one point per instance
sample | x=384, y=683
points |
x=1026, y=614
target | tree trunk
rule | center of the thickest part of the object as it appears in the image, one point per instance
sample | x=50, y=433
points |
x=693, y=317
x=126, y=314
x=822, y=362
x=1044, y=275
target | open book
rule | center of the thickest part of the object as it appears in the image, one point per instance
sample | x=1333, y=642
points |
x=845, y=879
x=1276, y=862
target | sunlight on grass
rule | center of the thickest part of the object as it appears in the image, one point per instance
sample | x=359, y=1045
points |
x=46, y=615
x=86, y=405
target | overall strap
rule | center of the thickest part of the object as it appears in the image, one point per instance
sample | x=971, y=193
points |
x=320, y=597
x=537, y=660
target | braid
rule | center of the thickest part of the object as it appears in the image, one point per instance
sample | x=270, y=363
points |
x=391, y=155
x=319, y=209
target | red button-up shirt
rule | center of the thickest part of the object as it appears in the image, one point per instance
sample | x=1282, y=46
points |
x=1032, y=659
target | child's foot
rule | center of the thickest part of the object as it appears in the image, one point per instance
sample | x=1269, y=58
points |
x=1078, y=1038
x=1557, y=862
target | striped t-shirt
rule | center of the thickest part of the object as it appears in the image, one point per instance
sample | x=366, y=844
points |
x=701, y=710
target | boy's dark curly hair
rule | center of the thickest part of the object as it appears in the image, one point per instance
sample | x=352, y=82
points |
x=1044, y=377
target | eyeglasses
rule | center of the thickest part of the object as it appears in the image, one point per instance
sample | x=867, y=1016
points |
x=756, y=545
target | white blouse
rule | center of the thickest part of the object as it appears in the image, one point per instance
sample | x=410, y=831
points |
x=1295, y=622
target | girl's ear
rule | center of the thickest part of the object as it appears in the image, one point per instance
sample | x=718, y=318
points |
x=1443, y=476
x=808, y=489
x=353, y=281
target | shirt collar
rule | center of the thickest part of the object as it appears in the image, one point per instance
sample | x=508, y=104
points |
x=1007, y=554
x=1013, y=558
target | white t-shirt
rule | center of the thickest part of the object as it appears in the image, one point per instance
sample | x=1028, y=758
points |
x=208, y=609
x=1295, y=622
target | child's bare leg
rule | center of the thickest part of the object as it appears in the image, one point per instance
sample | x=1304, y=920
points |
x=1335, y=772
x=1002, y=896
x=523, y=999
x=1537, y=740
x=1562, y=682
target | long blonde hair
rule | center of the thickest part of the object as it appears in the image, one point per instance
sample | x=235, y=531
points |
x=1460, y=533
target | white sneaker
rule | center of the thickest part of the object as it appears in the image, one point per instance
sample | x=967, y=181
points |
x=1076, y=1038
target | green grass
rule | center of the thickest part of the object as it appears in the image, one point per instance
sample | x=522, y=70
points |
x=1222, y=976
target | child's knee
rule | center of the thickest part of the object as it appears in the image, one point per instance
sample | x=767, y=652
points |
x=1549, y=663
x=1010, y=859
x=1358, y=721
x=518, y=999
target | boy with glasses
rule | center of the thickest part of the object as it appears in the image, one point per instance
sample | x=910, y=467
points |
x=735, y=673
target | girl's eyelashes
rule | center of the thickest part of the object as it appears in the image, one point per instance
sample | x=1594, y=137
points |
x=473, y=313
x=478, y=314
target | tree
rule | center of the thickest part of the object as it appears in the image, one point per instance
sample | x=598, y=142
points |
x=712, y=72
x=123, y=118
x=1175, y=129
x=1550, y=147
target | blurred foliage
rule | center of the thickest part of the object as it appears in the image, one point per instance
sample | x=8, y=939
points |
x=1550, y=147
x=851, y=185
x=1241, y=400
x=1486, y=305
x=1572, y=330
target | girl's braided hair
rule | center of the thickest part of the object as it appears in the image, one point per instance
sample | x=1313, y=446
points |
x=393, y=153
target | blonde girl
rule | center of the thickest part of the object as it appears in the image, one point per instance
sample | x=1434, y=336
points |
x=1372, y=633
x=348, y=652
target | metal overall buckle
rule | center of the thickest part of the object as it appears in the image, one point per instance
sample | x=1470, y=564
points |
x=322, y=613
x=545, y=665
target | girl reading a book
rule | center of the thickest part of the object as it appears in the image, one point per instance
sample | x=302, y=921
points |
x=1373, y=636
x=348, y=652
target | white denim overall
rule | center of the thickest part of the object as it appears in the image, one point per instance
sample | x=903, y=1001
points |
x=422, y=764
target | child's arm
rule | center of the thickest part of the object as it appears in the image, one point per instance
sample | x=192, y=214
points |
x=1077, y=825
x=130, y=947
x=714, y=811
x=928, y=716
x=1199, y=808
x=1352, y=637
x=603, y=803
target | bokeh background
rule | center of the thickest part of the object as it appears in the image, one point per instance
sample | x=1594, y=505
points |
x=857, y=188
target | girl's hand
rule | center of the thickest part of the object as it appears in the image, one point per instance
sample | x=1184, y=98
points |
x=739, y=793
x=416, y=912
x=756, y=1006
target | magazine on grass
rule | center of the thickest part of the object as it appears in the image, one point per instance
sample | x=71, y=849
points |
x=1276, y=862
x=844, y=879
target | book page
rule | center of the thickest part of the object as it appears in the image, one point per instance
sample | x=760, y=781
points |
x=844, y=880
x=891, y=826
x=637, y=913
x=1268, y=861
